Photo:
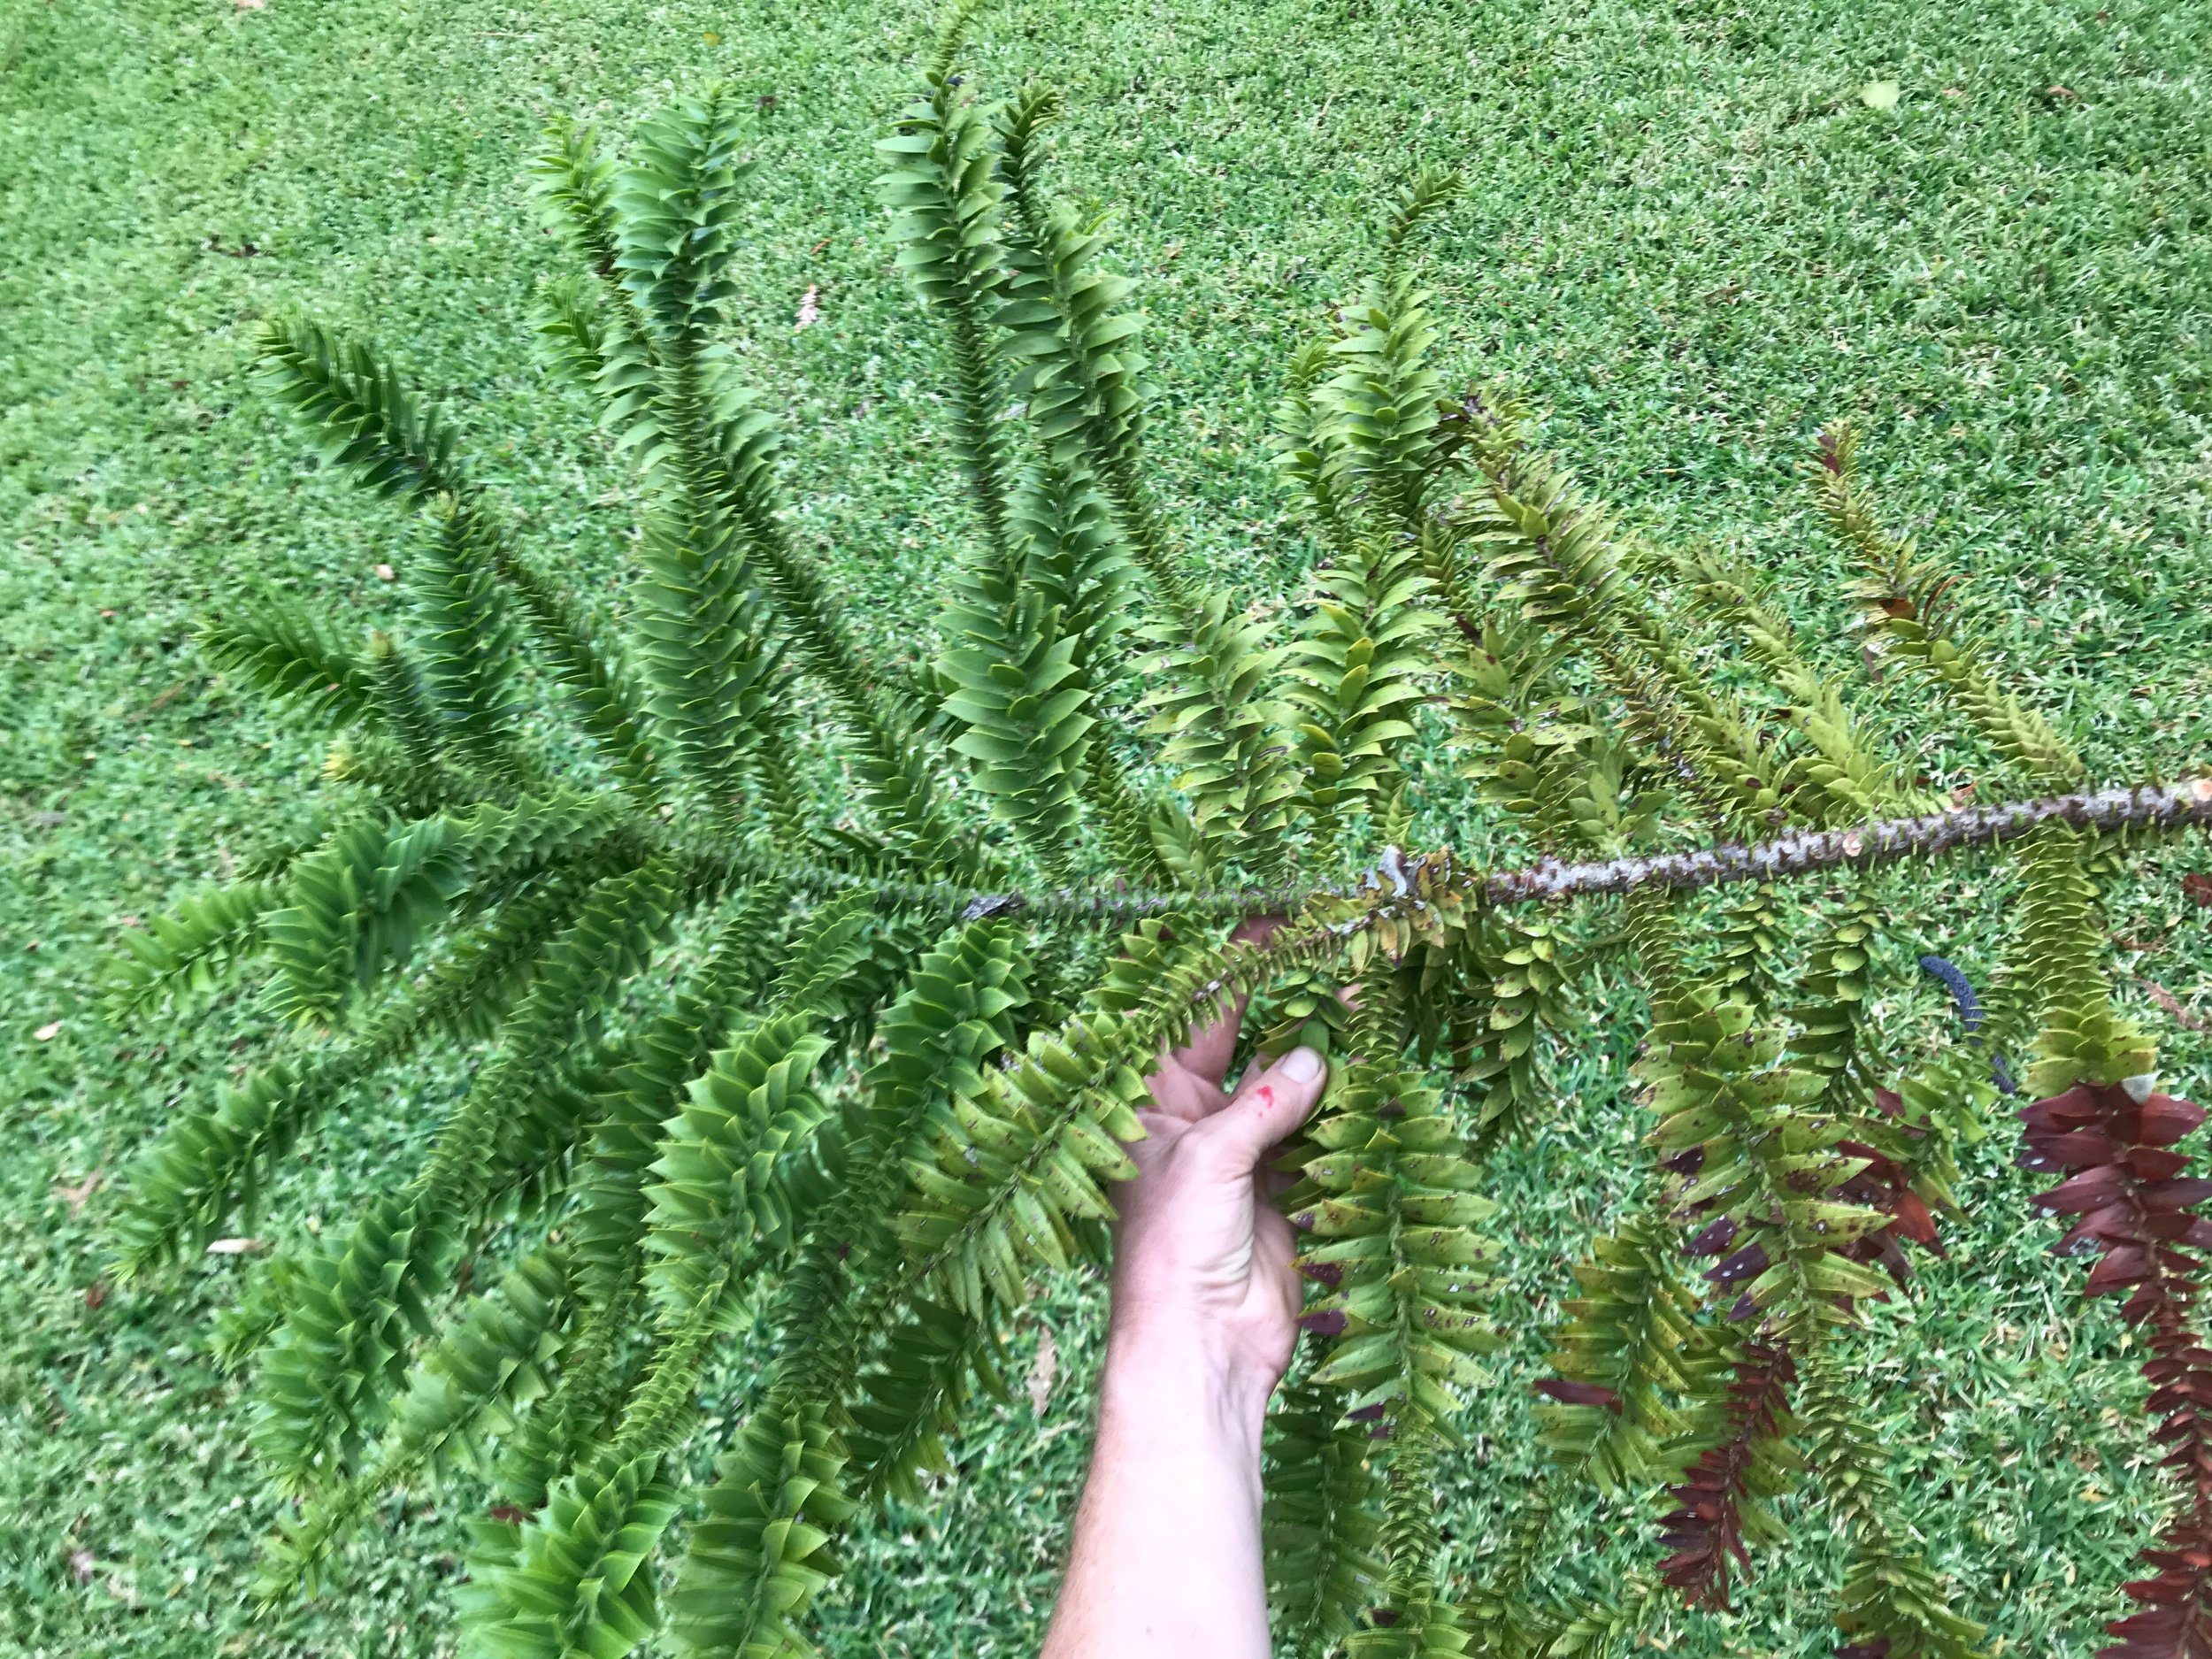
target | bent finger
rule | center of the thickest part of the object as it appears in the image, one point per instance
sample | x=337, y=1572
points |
x=1208, y=1052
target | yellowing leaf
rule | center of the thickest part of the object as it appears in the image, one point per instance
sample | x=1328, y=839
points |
x=1879, y=95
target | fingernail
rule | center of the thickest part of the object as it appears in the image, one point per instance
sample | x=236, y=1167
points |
x=1303, y=1066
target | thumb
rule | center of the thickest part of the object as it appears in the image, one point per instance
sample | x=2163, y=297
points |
x=1266, y=1110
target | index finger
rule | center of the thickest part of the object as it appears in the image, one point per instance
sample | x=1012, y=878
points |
x=1208, y=1053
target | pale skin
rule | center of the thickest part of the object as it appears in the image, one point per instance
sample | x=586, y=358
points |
x=1166, y=1556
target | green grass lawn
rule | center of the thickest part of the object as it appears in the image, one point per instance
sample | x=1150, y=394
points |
x=1686, y=236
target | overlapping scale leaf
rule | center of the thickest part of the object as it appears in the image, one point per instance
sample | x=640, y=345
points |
x=723, y=1158
x=213, y=1161
x=1389, y=1210
x=469, y=641
x=1015, y=1163
x=760, y=1552
x=1320, y=1523
x=490, y=1358
x=1628, y=1351
x=583, y=1583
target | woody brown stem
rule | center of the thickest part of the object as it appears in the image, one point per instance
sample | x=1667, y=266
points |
x=1799, y=853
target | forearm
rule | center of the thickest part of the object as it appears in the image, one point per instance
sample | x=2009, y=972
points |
x=1166, y=1557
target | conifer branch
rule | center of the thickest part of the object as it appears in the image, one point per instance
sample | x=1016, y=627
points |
x=1891, y=1604
x=361, y=1301
x=1321, y=1523
x=470, y=658
x=363, y=419
x=899, y=1086
x=192, y=947
x=1909, y=605
x=2113, y=813
x=286, y=652
x=468, y=1386
x=212, y=1162
x=2103, y=811
x=2142, y=1215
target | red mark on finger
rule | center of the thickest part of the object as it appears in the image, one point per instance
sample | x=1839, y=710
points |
x=1266, y=1092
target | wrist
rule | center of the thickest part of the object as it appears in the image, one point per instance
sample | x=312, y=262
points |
x=1183, y=1379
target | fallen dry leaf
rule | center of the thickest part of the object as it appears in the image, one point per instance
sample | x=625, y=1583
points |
x=96, y=1293
x=233, y=1247
x=82, y=1564
x=249, y=5
x=1046, y=1367
x=810, y=311
x=2198, y=889
x=2171, y=1003
x=385, y=573
x=47, y=1032
x=74, y=1196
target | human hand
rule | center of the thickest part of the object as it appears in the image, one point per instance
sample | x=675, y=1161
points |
x=1166, y=1560
x=1201, y=1256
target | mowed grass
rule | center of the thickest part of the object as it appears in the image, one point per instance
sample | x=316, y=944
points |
x=1686, y=237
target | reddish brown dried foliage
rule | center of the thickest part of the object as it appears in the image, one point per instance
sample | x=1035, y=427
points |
x=1706, y=1528
x=1886, y=1185
x=1580, y=1394
x=2134, y=1207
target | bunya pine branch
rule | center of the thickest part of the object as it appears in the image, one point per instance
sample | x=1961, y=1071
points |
x=792, y=1025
